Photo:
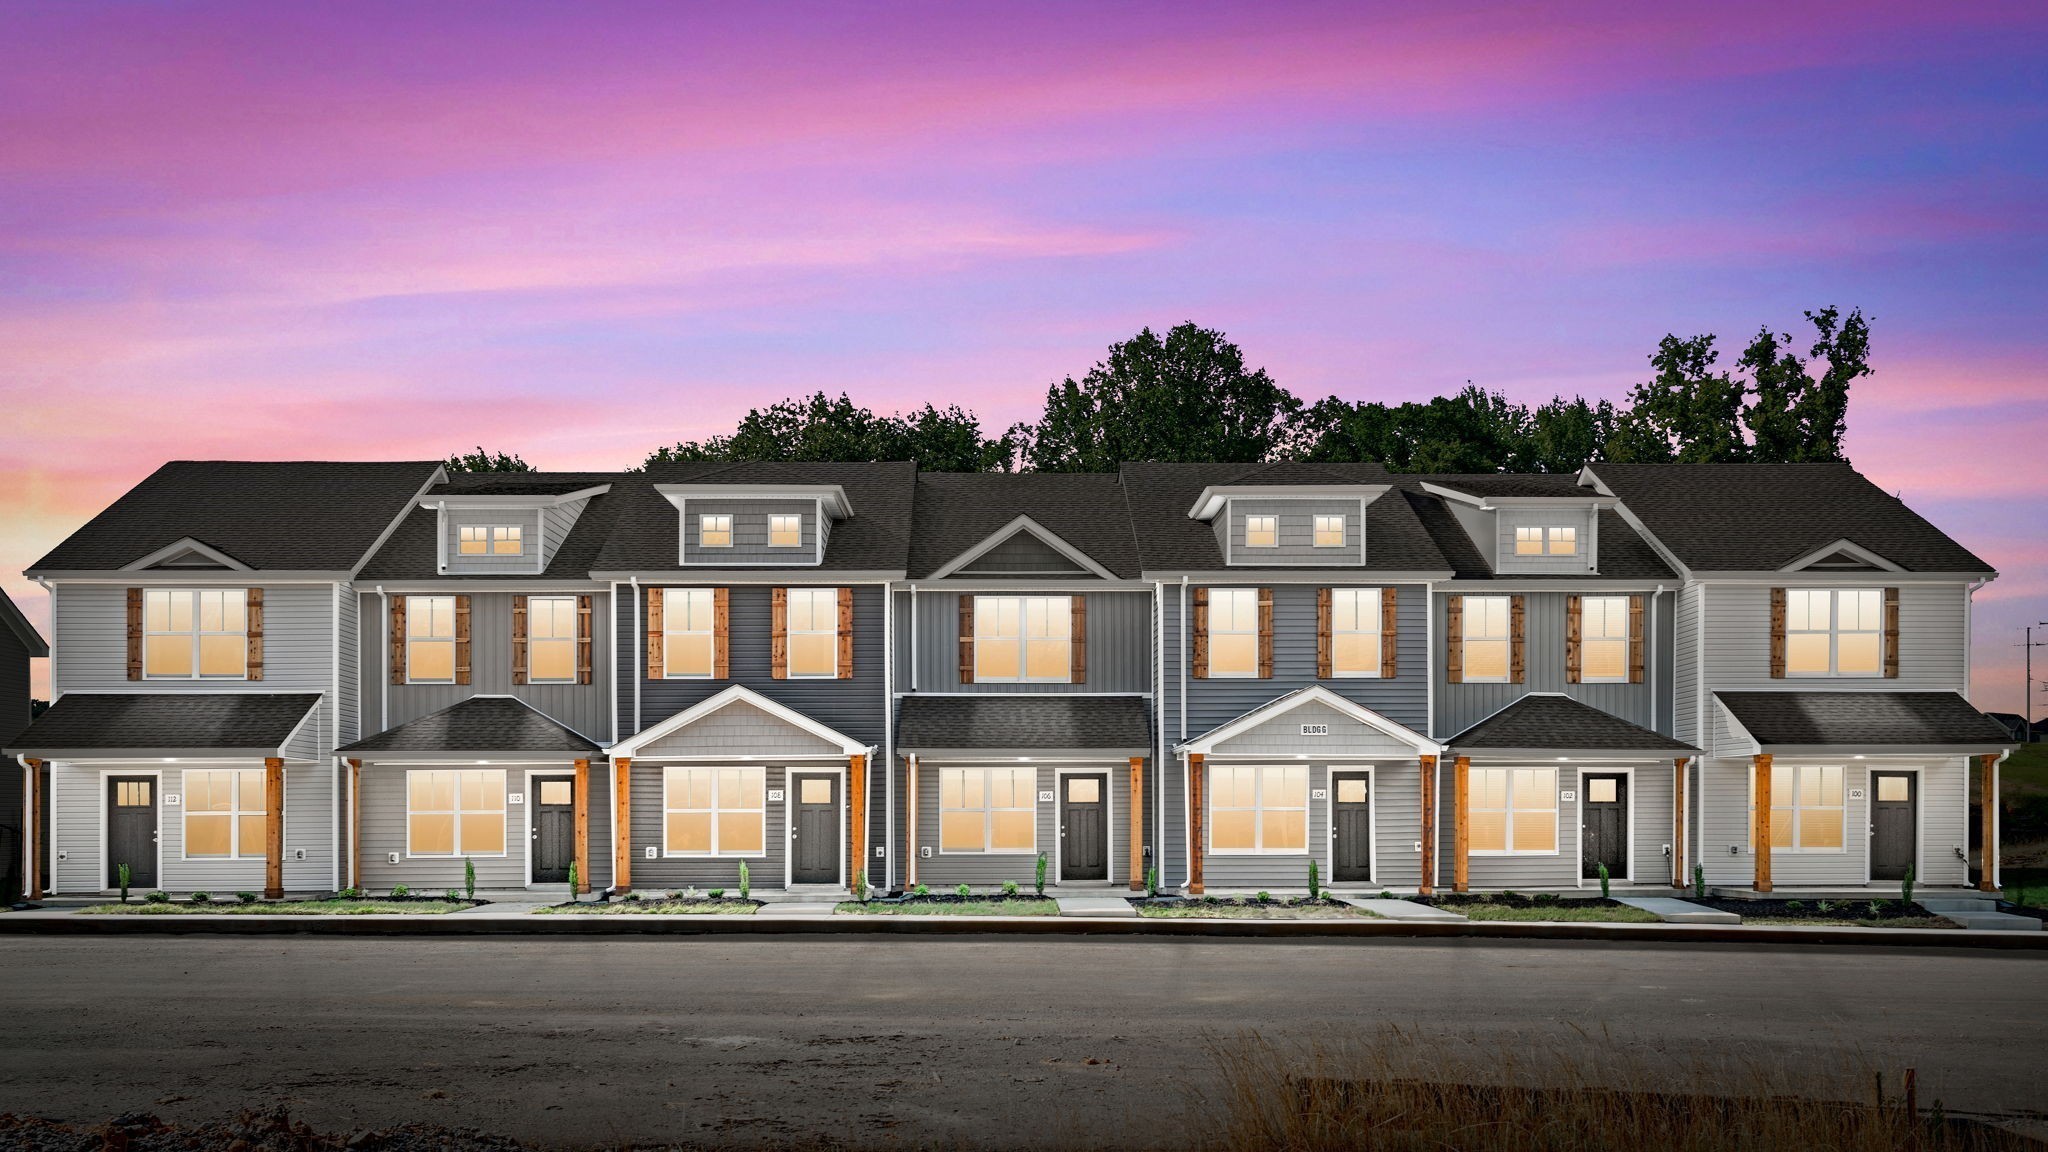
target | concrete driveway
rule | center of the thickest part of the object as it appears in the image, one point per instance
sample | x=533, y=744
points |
x=1000, y=1042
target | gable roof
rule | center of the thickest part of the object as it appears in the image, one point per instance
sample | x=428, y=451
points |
x=1169, y=540
x=1511, y=485
x=305, y=516
x=1761, y=517
x=1880, y=721
x=494, y=724
x=738, y=694
x=1623, y=553
x=1076, y=723
x=167, y=723
x=1313, y=694
x=12, y=620
x=413, y=551
x=876, y=538
x=1549, y=722
x=956, y=511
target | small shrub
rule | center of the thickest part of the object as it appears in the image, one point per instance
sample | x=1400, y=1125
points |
x=123, y=870
x=452, y=896
x=400, y=891
x=246, y=897
x=1699, y=881
x=921, y=890
x=158, y=897
x=1152, y=882
x=1386, y=894
x=716, y=893
x=1509, y=895
x=1544, y=898
x=1315, y=881
x=1009, y=887
x=1795, y=905
x=746, y=882
x=1039, y=879
x=1876, y=907
x=1264, y=897
x=1906, y=890
x=860, y=885
x=349, y=894
x=963, y=891
x=1825, y=906
x=631, y=898
x=1603, y=880
x=469, y=876
x=575, y=881
x=202, y=897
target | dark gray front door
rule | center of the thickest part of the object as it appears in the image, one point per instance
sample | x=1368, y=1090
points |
x=131, y=830
x=814, y=844
x=1084, y=827
x=1604, y=824
x=1350, y=827
x=554, y=828
x=1894, y=837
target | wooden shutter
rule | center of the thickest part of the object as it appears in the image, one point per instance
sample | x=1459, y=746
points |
x=721, y=633
x=1390, y=632
x=846, y=633
x=1323, y=662
x=253, y=617
x=1454, y=645
x=1201, y=635
x=519, y=639
x=1518, y=637
x=1891, y=633
x=462, y=639
x=585, y=634
x=778, y=633
x=1635, y=640
x=398, y=639
x=657, y=652
x=1077, y=639
x=1574, y=639
x=966, y=638
x=1265, y=633
x=1777, y=633
x=135, y=633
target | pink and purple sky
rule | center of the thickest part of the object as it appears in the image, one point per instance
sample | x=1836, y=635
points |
x=579, y=231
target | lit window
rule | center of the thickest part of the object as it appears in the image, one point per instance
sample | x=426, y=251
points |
x=1512, y=809
x=1603, y=639
x=785, y=531
x=1355, y=631
x=1233, y=632
x=550, y=639
x=507, y=540
x=714, y=531
x=1485, y=638
x=455, y=812
x=224, y=814
x=1023, y=638
x=813, y=628
x=1258, y=808
x=196, y=633
x=1261, y=531
x=430, y=639
x=1834, y=633
x=714, y=811
x=1329, y=531
x=687, y=631
x=472, y=539
x=1564, y=541
x=1542, y=540
x=1806, y=808
x=988, y=810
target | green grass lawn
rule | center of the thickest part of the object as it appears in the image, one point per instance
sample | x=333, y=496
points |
x=1222, y=910
x=1025, y=907
x=654, y=908
x=1889, y=922
x=1554, y=913
x=281, y=908
x=2025, y=772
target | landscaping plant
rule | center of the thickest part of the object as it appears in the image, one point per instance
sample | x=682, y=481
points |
x=575, y=881
x=1264, y=897
x=716, y=893
x=157, y=897
x=246, y=897
x=202, y=897
x=921, y=890
x=1906, y=889
x=451, y=896
x=860, y=885
x=1315, y=881
x=400, y=891
x=1152, y=882
x=746, y=882
x=1699, y=881
x=1040, y=884
x=1009, y=887
x=122, y=869
x=469, y=877
x=1603, y=879
x=963, y=891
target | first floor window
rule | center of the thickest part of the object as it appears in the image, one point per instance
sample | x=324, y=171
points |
x=1485, y=638
x=1834, y=632
x=1603, y=639
x=224, y=814
x=1512, y=809
x=1258, y=807
x=714, y=531
x=813, y=631
x=785, y=531
x=1023, y=639
x=196, y=633
x=430, y=639
x=1261, y=531
x=1806, y=808
x=1233, y=632
x=988, y=809
x=686, y=632
x=714, y=811
x=455, y=812
x=551, y=639
x=1355, y=631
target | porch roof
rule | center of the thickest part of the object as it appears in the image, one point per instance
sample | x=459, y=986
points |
x=110, y=725
x=1550, y=723
x=1116, y=725
x=1873, y=722
x=481, y=724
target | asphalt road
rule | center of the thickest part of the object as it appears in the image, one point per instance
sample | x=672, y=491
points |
x=1000, y=1042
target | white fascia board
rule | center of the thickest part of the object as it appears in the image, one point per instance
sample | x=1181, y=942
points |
x=1748, y=745
x=1568, y=584
x=1491, y=503
x=1315, y=694
x=1866, y=752
x=1837, y=578
x=484, y=584
x=1044, y=535
x=195, y=577
x=737, y=694
x=832, y=496
x=1538, y=757
x=1212, y=499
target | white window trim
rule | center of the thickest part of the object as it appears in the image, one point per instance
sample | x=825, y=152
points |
x=1316, y=529
x=1834, y=635
x=411, y=609
x=1251, y=516
x=714, y=810
x=1547, y=536
x=504, y=813
x=1378, y=629
x=1585, y=640
x=1506, y=638
x=710, y=630
x=194, y=635
x=1556, y=811
x=791, y=632
x=1749, y=811
x=533, y=641
x=1258, y=810
x=704, y=527
x=234, y=815
x=796, y=516
x=988, y=811
x=1022, y=641
x=1253, y=672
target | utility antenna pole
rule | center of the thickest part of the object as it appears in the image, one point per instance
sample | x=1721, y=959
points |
x=2029, y=647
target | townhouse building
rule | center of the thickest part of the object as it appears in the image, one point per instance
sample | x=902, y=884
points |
x=19, y=644
x=1217, y=677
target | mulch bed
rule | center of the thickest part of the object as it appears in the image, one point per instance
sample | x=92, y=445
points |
x=1848, y=911
x=956, y=898
x=1238, y=902
x=1514, y=900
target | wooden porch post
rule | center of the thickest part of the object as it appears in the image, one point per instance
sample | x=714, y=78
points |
x=1760, y=826
x=1987, y=816
x=355, y=823
x=622, y=824
x=32, y=832
x=273, y=828
x=910, y=822
x=1197, y=786
x=582, y=819
x=1678, y=824
x=1428, y=885
x=857, y=814
x=1461, y=824
x=1137, y=806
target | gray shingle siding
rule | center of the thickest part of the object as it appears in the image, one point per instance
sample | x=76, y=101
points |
x=1294, y=520
x=528, y=560
x=749, y=531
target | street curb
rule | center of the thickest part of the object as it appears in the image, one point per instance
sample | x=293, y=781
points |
x=436, y=927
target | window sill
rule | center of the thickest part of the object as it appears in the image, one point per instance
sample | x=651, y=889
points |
x=1033, y=851
x=1497, y=855
x=667, y=855
x=1301, y=852
x=460, y=856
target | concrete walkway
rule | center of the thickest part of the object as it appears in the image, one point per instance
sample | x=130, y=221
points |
x=1094, y=906
x=792, y=909
x=1672, y=911
x=1404, y=910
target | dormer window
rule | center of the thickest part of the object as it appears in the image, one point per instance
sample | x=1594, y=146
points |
x=714, y=531
x=490, y=540
x=1546, y=540
x=785, y=531
x=1329, y=531
x=1262, y=531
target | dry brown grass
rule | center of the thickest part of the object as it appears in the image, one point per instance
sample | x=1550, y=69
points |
x=1401, y=1091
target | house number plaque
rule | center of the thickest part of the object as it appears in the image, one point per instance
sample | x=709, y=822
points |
x=1315, y=729
x=1045, y=796
x=775, y=795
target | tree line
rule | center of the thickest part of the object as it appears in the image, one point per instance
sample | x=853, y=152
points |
x=1188, y=395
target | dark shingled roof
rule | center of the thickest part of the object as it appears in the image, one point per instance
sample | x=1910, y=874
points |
x=244, y=721
x=270, y=515
x=957, y=510
x=1169, y=540
x=1545, y=720
x=1623, y=555
x=413, y=552
x=875, y=539
x=478, y=724
x=1509, y=484
x=11, y=618
x=1023, y=722
x=1761, y=517
x=1908, y=719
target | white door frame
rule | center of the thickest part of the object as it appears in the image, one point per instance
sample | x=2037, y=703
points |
x=789, y=818
x=1059, y=803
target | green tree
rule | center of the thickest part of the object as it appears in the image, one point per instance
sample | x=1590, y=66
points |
x=482, y=461
x=1794, y=417
x=1186, y=396
x=822, y=428
x=1473, y=431
x=1688, y=411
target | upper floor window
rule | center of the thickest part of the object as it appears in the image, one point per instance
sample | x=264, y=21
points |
x=1603, y=639
x=1329, y=531
x=1355, y=624
x=1258, y=808
x=1512, y=810
x=1806, y=808
x=785, y=531
x=224, y=814
x=714, y=531
x=687, y=630
x=1262, y=531
x=551, y=639
x=430, y=639
x=1546, y=540
x=1834, y=632
x=813, y=625
x=1233, y=632
x=1023, y=639
x=490, y=540
x=1485, y=638
x=198, y=633
x=714, y=811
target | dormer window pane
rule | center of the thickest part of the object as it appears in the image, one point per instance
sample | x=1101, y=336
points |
x=506, y=540
x=1529, y=541
x=1262, y=531
x=1329, y=531
x=714, y=531
x=473, y=540
x=1564, y=541
x=785, y=531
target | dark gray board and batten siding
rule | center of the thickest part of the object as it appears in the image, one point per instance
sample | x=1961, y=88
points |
x=1119, y=644
x=1460, y=706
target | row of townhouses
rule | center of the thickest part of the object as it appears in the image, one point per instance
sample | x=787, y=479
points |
x=301, y=677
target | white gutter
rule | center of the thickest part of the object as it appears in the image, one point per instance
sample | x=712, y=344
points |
x=32, y=826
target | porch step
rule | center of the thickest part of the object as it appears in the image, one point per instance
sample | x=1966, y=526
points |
x=1673, y=911
x=794, y=908
x=1401, y=909
x=1994, y=921
x=1986, y=903
x=1094, y=906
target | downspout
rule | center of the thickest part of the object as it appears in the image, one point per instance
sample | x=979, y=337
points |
x=913, y=637
x=1181, y=667
x=1655, y=706
x=1429, y=664
x=1991, y=851
x=888, y=742
x=32, y=823
x=638, y=656
x=383, y=660
x=1159, y=726
x=334, y=761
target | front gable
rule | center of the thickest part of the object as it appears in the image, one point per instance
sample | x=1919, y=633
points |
x=1841, y=556
x=187, y=553
x=738, y=724
x=1313, y=723
x=1025, y=548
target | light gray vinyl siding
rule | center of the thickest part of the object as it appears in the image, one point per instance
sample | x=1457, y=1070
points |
x=581, y=707
x=749, y=531
x=1685, y=679
x=1281, y=736
x=384, y=832
x=1023, y=554
x=78, y=802
x=348, y=699
x=1517, y=871
x=1509, y=519
x=942, y=870
x=1944, y=822
x=1396, y=795
x=1296, y=524
x=555, y=527
x=765, y=871
x=1460, y=706
x=1119, y=644
x=1933, y=644
x=526, y=519
x=739, y=730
